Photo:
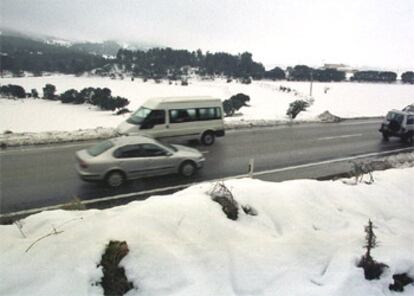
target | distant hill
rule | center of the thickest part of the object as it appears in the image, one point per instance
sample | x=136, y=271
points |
x=18, y=54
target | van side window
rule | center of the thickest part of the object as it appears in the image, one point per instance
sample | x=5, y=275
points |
x=209, y=113
x=410, y=119
x=183, y=115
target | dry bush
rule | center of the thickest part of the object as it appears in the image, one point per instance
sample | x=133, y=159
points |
x=222, y=195
x=372, y=268
x=400, y=281
x=74, y=205
x=114, y=281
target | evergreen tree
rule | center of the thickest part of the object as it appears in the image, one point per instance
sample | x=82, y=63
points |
x=49, y=92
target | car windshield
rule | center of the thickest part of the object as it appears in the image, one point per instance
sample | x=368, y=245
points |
x=169, y=146
x=100, y=148
x=395, y=116
x=138, y=116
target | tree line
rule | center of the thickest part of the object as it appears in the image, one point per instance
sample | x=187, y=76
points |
x=20, y=54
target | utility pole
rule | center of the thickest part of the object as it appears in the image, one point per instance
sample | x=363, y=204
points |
x=311, y=82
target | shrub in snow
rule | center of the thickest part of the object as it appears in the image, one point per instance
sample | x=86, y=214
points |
x=235, y=103
x=123, y=111
x=114, y=281
x=13, y=91
x=69, y=96
x=184, y=82
x=49, y=92
x=222, y=195
x=407, y=77
x=400, y=281
x=296, y=107
x=372, y=269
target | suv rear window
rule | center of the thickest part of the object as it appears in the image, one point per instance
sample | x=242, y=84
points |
x=395, y=116
x=100, y=148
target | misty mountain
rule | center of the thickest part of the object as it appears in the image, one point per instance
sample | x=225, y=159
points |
x=19, y=54
x=106, y=48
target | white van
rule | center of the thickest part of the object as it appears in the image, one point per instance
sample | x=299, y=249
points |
x=177, y=118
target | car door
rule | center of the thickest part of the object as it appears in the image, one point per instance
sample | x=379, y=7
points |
x=160, y=161
x=132, y=160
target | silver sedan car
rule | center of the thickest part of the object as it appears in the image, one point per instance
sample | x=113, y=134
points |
x=131, y=157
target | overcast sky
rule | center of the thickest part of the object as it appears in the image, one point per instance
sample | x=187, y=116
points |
x=283, y=32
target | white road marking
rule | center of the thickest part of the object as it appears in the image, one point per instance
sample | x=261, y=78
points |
x=339, y=137
x=261, y=173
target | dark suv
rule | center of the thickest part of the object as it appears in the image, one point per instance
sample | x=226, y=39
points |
x=398, y=124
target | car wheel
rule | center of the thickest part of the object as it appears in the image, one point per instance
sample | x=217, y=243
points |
x=385, y=136
x=115, y=179
x=207, y=138
x=187, y=169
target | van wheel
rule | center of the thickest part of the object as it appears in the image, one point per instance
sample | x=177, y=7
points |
x=208, y=138
x=115, y=179
x=385, y=136
x=187, y=168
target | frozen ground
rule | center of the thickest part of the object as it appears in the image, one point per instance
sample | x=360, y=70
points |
x=305, y=240
x=268, y=103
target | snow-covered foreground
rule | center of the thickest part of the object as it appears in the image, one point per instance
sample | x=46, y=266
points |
x=305, y=240
x=267, y=101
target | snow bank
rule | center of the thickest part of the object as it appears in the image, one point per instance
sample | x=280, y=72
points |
x=305, y=240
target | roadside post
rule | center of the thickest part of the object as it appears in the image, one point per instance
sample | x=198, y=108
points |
x=251, y=168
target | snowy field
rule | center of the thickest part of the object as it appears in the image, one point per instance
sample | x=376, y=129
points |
x=306, y=240
x=346, y=100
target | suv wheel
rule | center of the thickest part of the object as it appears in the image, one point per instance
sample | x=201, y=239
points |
x=187, y=168
x=385, y=136
x=408, y=138
x=115, y=179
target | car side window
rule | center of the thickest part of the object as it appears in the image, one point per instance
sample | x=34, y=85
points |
x=151, y=150
x=129, y=151
x=410, y=119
